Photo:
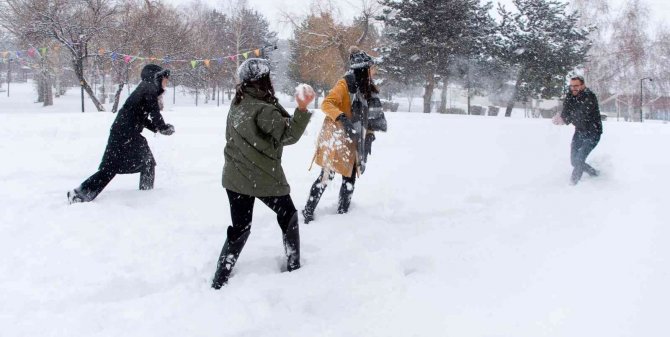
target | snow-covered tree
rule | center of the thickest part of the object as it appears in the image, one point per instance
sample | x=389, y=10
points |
x=427, y=37
x=542, y=43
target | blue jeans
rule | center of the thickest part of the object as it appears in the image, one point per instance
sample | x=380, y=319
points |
x=582, y=145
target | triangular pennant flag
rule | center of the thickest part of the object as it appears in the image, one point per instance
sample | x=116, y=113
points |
x=152, y=59
x=18, y=53
x=4, y=54
x=31, y=52
x=140, y=58
x=43, y=52
x=57, y=47
x=257, y=52
x=206, y=63
x=127, y=58
x=246, y=55
x=233, y=57
x=166, y=60
x=101, y=51
x=220, y=60
x=194, y=64
x=114, y=56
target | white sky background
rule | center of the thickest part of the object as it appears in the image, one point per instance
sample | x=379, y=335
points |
x=272, y=9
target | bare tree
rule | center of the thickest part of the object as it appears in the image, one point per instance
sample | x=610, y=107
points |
x=75, y=24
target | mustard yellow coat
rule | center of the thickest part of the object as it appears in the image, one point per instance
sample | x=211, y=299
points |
x=334, y=150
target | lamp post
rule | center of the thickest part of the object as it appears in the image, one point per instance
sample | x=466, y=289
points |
x=642, y=80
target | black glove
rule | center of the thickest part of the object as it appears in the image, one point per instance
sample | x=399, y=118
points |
x=167, y=130
x=348, y=126
x=369, y=138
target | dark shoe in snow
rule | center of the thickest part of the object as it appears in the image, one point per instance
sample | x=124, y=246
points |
x=308, y=216
x=229, y=254
x=73, y=197
x=292, y=244
x=591, y=171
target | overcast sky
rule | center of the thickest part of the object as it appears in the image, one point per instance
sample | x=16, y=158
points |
x=272, y=9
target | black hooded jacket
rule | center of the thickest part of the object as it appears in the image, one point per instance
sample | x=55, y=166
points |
x=583, y=112
x=127, y=150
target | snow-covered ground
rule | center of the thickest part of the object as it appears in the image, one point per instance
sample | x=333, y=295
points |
x=462, y=226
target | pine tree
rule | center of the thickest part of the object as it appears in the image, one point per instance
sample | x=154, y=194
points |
x=543, y=43
x=426, y=37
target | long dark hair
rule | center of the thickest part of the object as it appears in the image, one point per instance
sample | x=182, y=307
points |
x=364, y=82
x=263, y=84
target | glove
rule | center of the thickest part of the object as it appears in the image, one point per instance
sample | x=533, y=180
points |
x=369, y=138
x=167, y=130
x=348, y=126
x=558, y=120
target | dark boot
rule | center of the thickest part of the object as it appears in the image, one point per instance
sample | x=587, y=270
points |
x=292, y=244
x=229, y=254
x=576, y=176
x=346, y=192
x=147, y=178
x=74, y=196
x=590, y=170
x=315, y=194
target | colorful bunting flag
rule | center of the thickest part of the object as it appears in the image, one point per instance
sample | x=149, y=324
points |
x=42, y=52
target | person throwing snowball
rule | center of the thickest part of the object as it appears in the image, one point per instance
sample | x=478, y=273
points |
x=257, y=130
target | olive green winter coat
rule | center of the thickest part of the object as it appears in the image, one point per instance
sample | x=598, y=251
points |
x=256, y=133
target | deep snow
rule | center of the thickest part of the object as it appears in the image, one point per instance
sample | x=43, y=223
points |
x=461, y=226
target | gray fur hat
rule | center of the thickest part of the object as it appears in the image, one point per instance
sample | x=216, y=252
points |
x=359, y=59
x=253, y=69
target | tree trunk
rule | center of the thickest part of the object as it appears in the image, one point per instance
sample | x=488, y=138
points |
x=443, y=97
x=40, y=88
x=103, y=91
x=512, y=100
x=428, y=93
x=48, y=92
x=117, y=97
x=79, y=71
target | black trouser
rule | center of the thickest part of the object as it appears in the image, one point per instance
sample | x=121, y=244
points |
x=319, y=186
x=242, y=211
x=92, y=186
x=582, y=145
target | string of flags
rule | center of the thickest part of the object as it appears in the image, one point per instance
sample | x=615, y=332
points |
x=114, y=56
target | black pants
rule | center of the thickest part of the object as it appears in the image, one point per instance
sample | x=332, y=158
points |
x=582, y=145
x=319, y=186
x=92, y=186
x=242, y=211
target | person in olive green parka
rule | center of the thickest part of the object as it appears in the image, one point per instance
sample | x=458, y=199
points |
x=257, y=130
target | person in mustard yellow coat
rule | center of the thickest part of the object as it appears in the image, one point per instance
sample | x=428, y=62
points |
x=344, y=140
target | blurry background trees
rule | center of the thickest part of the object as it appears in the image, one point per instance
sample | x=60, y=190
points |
x=519, y=53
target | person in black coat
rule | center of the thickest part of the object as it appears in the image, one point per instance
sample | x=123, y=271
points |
x=127, y=150
x=581, y=109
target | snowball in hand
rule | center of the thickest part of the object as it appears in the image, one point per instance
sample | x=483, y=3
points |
x=558, y=120
x=304, y=92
